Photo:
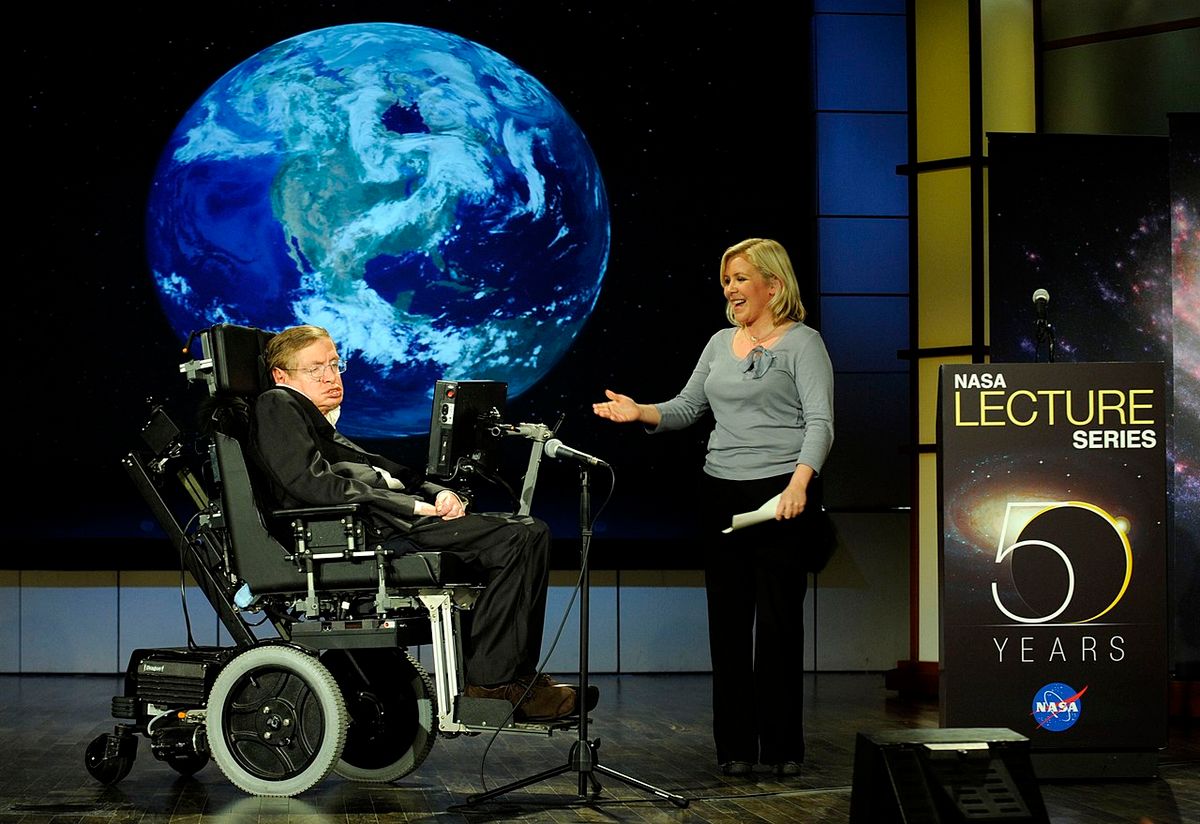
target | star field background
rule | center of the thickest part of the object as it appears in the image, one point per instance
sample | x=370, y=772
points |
x=688, y=108
x=1122, y=278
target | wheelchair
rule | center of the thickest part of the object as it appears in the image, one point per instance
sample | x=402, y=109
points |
x=338, y=689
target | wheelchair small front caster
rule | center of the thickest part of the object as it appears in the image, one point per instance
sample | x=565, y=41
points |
x=109, y=757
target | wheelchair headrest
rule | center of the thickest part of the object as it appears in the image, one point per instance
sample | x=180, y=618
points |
x=239, y=365
x=237, y=376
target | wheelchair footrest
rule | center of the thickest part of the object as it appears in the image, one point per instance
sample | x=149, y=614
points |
x=489, y=713
x=483, y=714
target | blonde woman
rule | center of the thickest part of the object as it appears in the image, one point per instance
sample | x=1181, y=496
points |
x=769, y=383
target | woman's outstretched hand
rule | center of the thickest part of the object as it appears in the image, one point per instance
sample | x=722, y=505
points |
x=618, y=408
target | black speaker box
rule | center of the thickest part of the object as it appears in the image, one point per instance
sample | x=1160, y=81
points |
x=944, y=775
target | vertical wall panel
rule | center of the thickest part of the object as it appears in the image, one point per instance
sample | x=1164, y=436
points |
x=602, y=621
x=872, y=414
x=10, y=621
x=861, y=80
x=854, y=48
x=863, y=586
x=943, y=257
x=1116, y=87
x=861, y=96
x=927, y=573
x=69, y=622
x=942, y=71
x=650, y=642
x=1009, y=93
x=1008, y=60
x=151, y=613
x=1126, y=82
x=944, y=251
x=863, y=255
x=856, y=164
x=1074, y=18
x=845, y=318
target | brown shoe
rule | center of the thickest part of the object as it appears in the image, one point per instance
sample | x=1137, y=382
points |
x=507, y=692
x=542, y=701
x=547, y=701
x=593, y=692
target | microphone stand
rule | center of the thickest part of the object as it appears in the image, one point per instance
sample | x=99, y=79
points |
x=584, y=758
x=1045, y=332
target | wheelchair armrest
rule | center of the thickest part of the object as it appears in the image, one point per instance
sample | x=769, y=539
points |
x=314, y=512
x=324, y=531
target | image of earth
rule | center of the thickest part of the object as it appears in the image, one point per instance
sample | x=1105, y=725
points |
x=420, y=196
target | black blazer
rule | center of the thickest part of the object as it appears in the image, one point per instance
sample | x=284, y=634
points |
x=309, y=463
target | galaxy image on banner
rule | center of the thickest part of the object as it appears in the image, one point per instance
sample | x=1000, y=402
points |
x=1110, y=227
x=1088, y=219
x=1053, y=498
x=1185, y=261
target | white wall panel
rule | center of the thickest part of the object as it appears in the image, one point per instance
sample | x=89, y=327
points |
x=69, y=622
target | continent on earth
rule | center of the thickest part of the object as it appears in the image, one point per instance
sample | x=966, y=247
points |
x=419, y=195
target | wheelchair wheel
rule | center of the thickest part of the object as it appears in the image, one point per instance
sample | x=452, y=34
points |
x=276, y=721
x=393, y=717
x=109, y=758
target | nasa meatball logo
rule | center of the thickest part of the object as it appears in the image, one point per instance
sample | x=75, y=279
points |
x=1056, y=706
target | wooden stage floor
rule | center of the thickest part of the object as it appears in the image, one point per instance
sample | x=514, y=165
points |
x=652, y=727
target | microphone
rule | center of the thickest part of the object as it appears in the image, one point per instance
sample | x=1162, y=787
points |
x=1040, y=299
x=556, y=448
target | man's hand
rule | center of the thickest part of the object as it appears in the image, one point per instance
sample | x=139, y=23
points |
x=449, y=506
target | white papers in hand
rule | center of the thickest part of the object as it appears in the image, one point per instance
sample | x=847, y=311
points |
x=766, y=512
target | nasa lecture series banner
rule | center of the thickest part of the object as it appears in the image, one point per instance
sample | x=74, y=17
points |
x=1054, y=520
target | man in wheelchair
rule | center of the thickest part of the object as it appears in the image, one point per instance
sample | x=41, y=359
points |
x=307, y=462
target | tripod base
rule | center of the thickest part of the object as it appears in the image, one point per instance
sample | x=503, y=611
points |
x=584, y=760
x=585, y=753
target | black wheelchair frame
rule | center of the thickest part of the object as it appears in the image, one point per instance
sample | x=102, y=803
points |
x=337, y=690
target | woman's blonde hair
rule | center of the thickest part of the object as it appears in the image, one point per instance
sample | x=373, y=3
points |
x=773, y=263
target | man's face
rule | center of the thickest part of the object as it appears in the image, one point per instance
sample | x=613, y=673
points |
x=313, y=371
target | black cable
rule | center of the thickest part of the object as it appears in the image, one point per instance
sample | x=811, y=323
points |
x=187, y=618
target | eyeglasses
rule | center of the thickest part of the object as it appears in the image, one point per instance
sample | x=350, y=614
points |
x=316, y=373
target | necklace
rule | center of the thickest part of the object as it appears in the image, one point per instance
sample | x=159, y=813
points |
x=759, y=338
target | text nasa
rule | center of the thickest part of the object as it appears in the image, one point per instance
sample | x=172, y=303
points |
x=1105, y=409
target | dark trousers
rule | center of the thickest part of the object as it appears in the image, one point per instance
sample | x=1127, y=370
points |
x=756, y=580
x=513, y=553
